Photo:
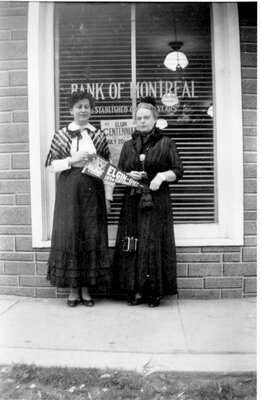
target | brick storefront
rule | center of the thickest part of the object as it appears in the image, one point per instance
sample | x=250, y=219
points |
x=203, y=272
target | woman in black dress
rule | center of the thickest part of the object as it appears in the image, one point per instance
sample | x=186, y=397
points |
x=79, y=247
x=148, y=273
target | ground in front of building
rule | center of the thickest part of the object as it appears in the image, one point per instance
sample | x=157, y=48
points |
x=30, y=382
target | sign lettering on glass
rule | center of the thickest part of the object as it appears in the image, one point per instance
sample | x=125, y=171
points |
x=114, y=90
x=117, y=132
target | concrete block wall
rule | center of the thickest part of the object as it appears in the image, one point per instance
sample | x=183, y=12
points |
x=203, y=272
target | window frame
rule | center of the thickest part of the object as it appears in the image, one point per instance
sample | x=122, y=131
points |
x=228, y=131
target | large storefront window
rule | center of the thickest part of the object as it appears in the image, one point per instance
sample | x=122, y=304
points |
x=96, y=51
x=117, y=52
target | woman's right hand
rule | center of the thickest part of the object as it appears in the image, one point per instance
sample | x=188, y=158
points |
x=137, y=175
x=78, y=156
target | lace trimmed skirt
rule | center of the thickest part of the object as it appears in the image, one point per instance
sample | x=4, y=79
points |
x=79, y=248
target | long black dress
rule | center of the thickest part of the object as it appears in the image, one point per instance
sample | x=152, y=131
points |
x=79, y=246
x=151, y=270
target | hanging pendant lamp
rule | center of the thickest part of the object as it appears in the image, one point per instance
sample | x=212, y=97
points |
x=161, y=123
x=169, y=99
x=176, y=60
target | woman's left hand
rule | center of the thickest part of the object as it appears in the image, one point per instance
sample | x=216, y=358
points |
x=137, y=175
x=108, y=206
x=156, y=182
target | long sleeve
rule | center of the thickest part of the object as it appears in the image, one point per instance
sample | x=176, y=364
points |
x=168, y=176
x=60, y=146
x=59, y=165
x=175, y=161
x=122, y=158
x=109, y=187
x=172, y=170
x=85, y=144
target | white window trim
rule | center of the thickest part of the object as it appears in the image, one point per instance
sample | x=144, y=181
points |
x=41, y=106
x=228, y=129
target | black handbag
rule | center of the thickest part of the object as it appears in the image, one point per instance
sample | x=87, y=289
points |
x=146, y=200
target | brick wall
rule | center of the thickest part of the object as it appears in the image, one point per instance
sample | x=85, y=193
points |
x=203, y=272
x=226, y=272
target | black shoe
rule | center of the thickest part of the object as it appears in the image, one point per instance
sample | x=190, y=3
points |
x=154, y=301
x=72, y=303
x=88, y=303
x=135, y=301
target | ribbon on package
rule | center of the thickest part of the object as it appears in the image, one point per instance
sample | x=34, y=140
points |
x=103, y=169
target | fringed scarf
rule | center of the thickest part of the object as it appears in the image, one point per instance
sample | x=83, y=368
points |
x=62, y=140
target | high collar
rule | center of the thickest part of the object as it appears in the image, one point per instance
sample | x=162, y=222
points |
x=141, y=141
x=75, y=127
x=154, y=134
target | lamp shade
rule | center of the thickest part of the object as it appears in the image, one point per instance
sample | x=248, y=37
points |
x=170, y=99
x=161, y=123
x=210, y=111
x=176, y=60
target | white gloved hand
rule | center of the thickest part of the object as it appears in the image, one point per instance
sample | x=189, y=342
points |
x=137, y=175
x=156, y=182
x=78, y=156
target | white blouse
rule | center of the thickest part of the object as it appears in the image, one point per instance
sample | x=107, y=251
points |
x=85, y=144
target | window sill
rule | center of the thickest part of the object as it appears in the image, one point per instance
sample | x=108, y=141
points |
x=187, y=235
